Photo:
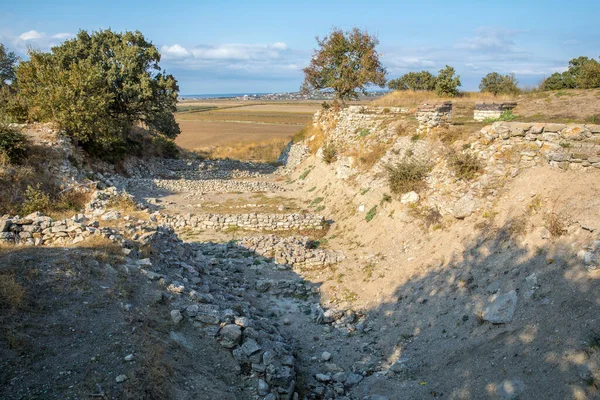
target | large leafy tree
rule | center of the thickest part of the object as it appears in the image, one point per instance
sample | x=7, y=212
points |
x=583, y=73
x=499, y=84
x=447, y=83
x=98, y=86
x=345, y=62
x=416, y=81
x=8, y=61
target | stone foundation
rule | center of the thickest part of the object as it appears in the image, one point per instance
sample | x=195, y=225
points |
x=433, y=115
x=572, y=146
x=248, y=222
x=485, y=111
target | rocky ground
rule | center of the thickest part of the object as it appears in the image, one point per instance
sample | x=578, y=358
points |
x=225, y=280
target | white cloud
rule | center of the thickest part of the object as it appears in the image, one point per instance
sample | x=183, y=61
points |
x=488, y=39
x=63, y=35
x=31, y=35
x=231, y=52
x=175, y=51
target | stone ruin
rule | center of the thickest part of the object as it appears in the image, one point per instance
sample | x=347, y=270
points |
x=433, y=115
x=485, y=111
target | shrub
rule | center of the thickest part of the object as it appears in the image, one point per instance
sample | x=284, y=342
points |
x=35, y=200
x=407, y=175
x=499, y=84
x=416, y=81
x=465, y=165
x=582, y=73
x=446, y=83
x=329, y=153
x=98, y=86
x=13, y=144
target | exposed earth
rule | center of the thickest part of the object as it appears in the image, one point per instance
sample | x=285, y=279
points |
x=190, y=279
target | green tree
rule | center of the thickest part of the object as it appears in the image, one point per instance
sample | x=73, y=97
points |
x=583, y=73
x=8, y=61
x=499, y=84
x=416, y=81
x=588, y=75
x=345, y=62
x=446, y=83
x=98, y=86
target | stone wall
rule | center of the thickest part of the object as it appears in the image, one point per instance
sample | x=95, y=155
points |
x=567, y=146
x=291, y=251
x=249, y=222
x=203, y=186
x=433, y=115
x=485, y=111
x=291, y=157
x=359, y=123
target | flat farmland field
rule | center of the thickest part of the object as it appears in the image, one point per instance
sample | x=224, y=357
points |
x=203, y=135
x=240, y=129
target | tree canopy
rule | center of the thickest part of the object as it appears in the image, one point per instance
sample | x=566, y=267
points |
x=8, y=61
x=583, y=73
x=97, y=86
x=447, y=83
x=499, y=84
x=345, y=62
x=416, y=81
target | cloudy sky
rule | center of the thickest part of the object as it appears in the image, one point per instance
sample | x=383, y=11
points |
x=262, y=46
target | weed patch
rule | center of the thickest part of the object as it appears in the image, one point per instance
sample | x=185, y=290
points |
x=407, y=175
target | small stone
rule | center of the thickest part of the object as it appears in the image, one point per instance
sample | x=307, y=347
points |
x=323, y=377
x=410, y=198
x=129, y=357
x=111, y=216
x=326, y=356
x=230, y=336
x=121, y=378
x=250, y=347
x=464, y=207
x=176, y=287
x=176, y=316
x=501, y=309
x=263, y=387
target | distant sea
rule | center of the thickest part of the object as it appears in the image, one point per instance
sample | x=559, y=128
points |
x=218, y=95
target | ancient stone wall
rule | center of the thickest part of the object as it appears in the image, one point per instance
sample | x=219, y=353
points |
x=355, y=123
x=485, y=111
x=567, y=146
x=249, y=222
x=291, y=157
x=203, y=186
x=432, y=116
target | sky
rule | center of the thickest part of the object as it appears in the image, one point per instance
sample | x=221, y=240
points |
x=261, y=46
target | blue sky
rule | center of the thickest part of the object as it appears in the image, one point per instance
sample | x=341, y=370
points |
x=262, y=46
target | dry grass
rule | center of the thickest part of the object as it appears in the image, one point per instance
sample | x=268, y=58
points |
x=466, y=166
x=265, y=151
x=197, y=135
x=407, y=175
x=555, y=224
x=414, y=99
x=429, y=216
x=12, y=294
x=367, y=158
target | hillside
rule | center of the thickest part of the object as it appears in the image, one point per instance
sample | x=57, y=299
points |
x=401, y=252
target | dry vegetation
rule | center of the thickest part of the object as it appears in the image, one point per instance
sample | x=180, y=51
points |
x=414, y=99
x=571, y=105
x=240, y=130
